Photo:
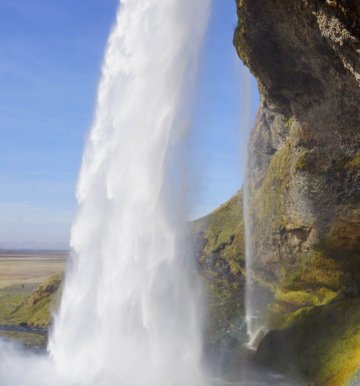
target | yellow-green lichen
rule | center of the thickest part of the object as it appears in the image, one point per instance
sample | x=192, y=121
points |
x=270, y=199
x=327, y=340
x=307, y=297
x=305, y=161
x=354, y=163
x=318, y=344
x=291, y=123
x=313, y=268
x=347, y=163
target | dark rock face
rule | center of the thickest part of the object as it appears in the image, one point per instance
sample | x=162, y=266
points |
x=304, y=152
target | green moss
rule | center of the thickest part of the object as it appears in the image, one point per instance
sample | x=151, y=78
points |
x=291, y=318
x=224, y=312
x=321, y=343
x=270, y=199
x=220, y=237
x=312, y=268
x=327, y=340
x=270, y=217
x=313, y=279
x=302, y=298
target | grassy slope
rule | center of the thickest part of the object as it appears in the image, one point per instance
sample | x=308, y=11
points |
x=220, y=240
x=33, y=309
x=222, y=234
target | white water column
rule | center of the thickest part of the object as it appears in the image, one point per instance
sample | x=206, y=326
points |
x=129, y=313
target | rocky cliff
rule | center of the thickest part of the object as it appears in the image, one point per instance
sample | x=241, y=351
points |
x=304, y=153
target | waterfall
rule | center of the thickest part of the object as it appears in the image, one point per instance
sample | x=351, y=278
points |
x=248, y=262
x=255, y=329
x=129, y=312
x=252, y=325
x=256, y=299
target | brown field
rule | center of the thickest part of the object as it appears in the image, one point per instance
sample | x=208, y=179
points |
x=24, y=270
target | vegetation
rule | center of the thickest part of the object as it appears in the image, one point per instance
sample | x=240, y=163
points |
x=25, y=338
x=318, y=335
x=223, y=230
x=220, y=241
x=323, y=342
x=33, y=309
x=10, y=299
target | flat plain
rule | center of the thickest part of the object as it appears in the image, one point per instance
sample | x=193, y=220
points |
x=24, y=270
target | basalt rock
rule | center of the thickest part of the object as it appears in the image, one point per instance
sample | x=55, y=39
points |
x=303, y=180
x=304, y=152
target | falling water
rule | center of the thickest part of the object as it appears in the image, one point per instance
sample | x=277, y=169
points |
x=129, y=313
x=255, y=299
x=249, y=311
x=246, y=119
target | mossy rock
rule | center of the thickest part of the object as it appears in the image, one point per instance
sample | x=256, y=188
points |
x=321, y=346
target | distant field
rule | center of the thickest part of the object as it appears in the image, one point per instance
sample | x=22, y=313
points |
x=23, y=270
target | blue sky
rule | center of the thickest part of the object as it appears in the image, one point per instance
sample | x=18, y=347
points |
x=50, y=62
